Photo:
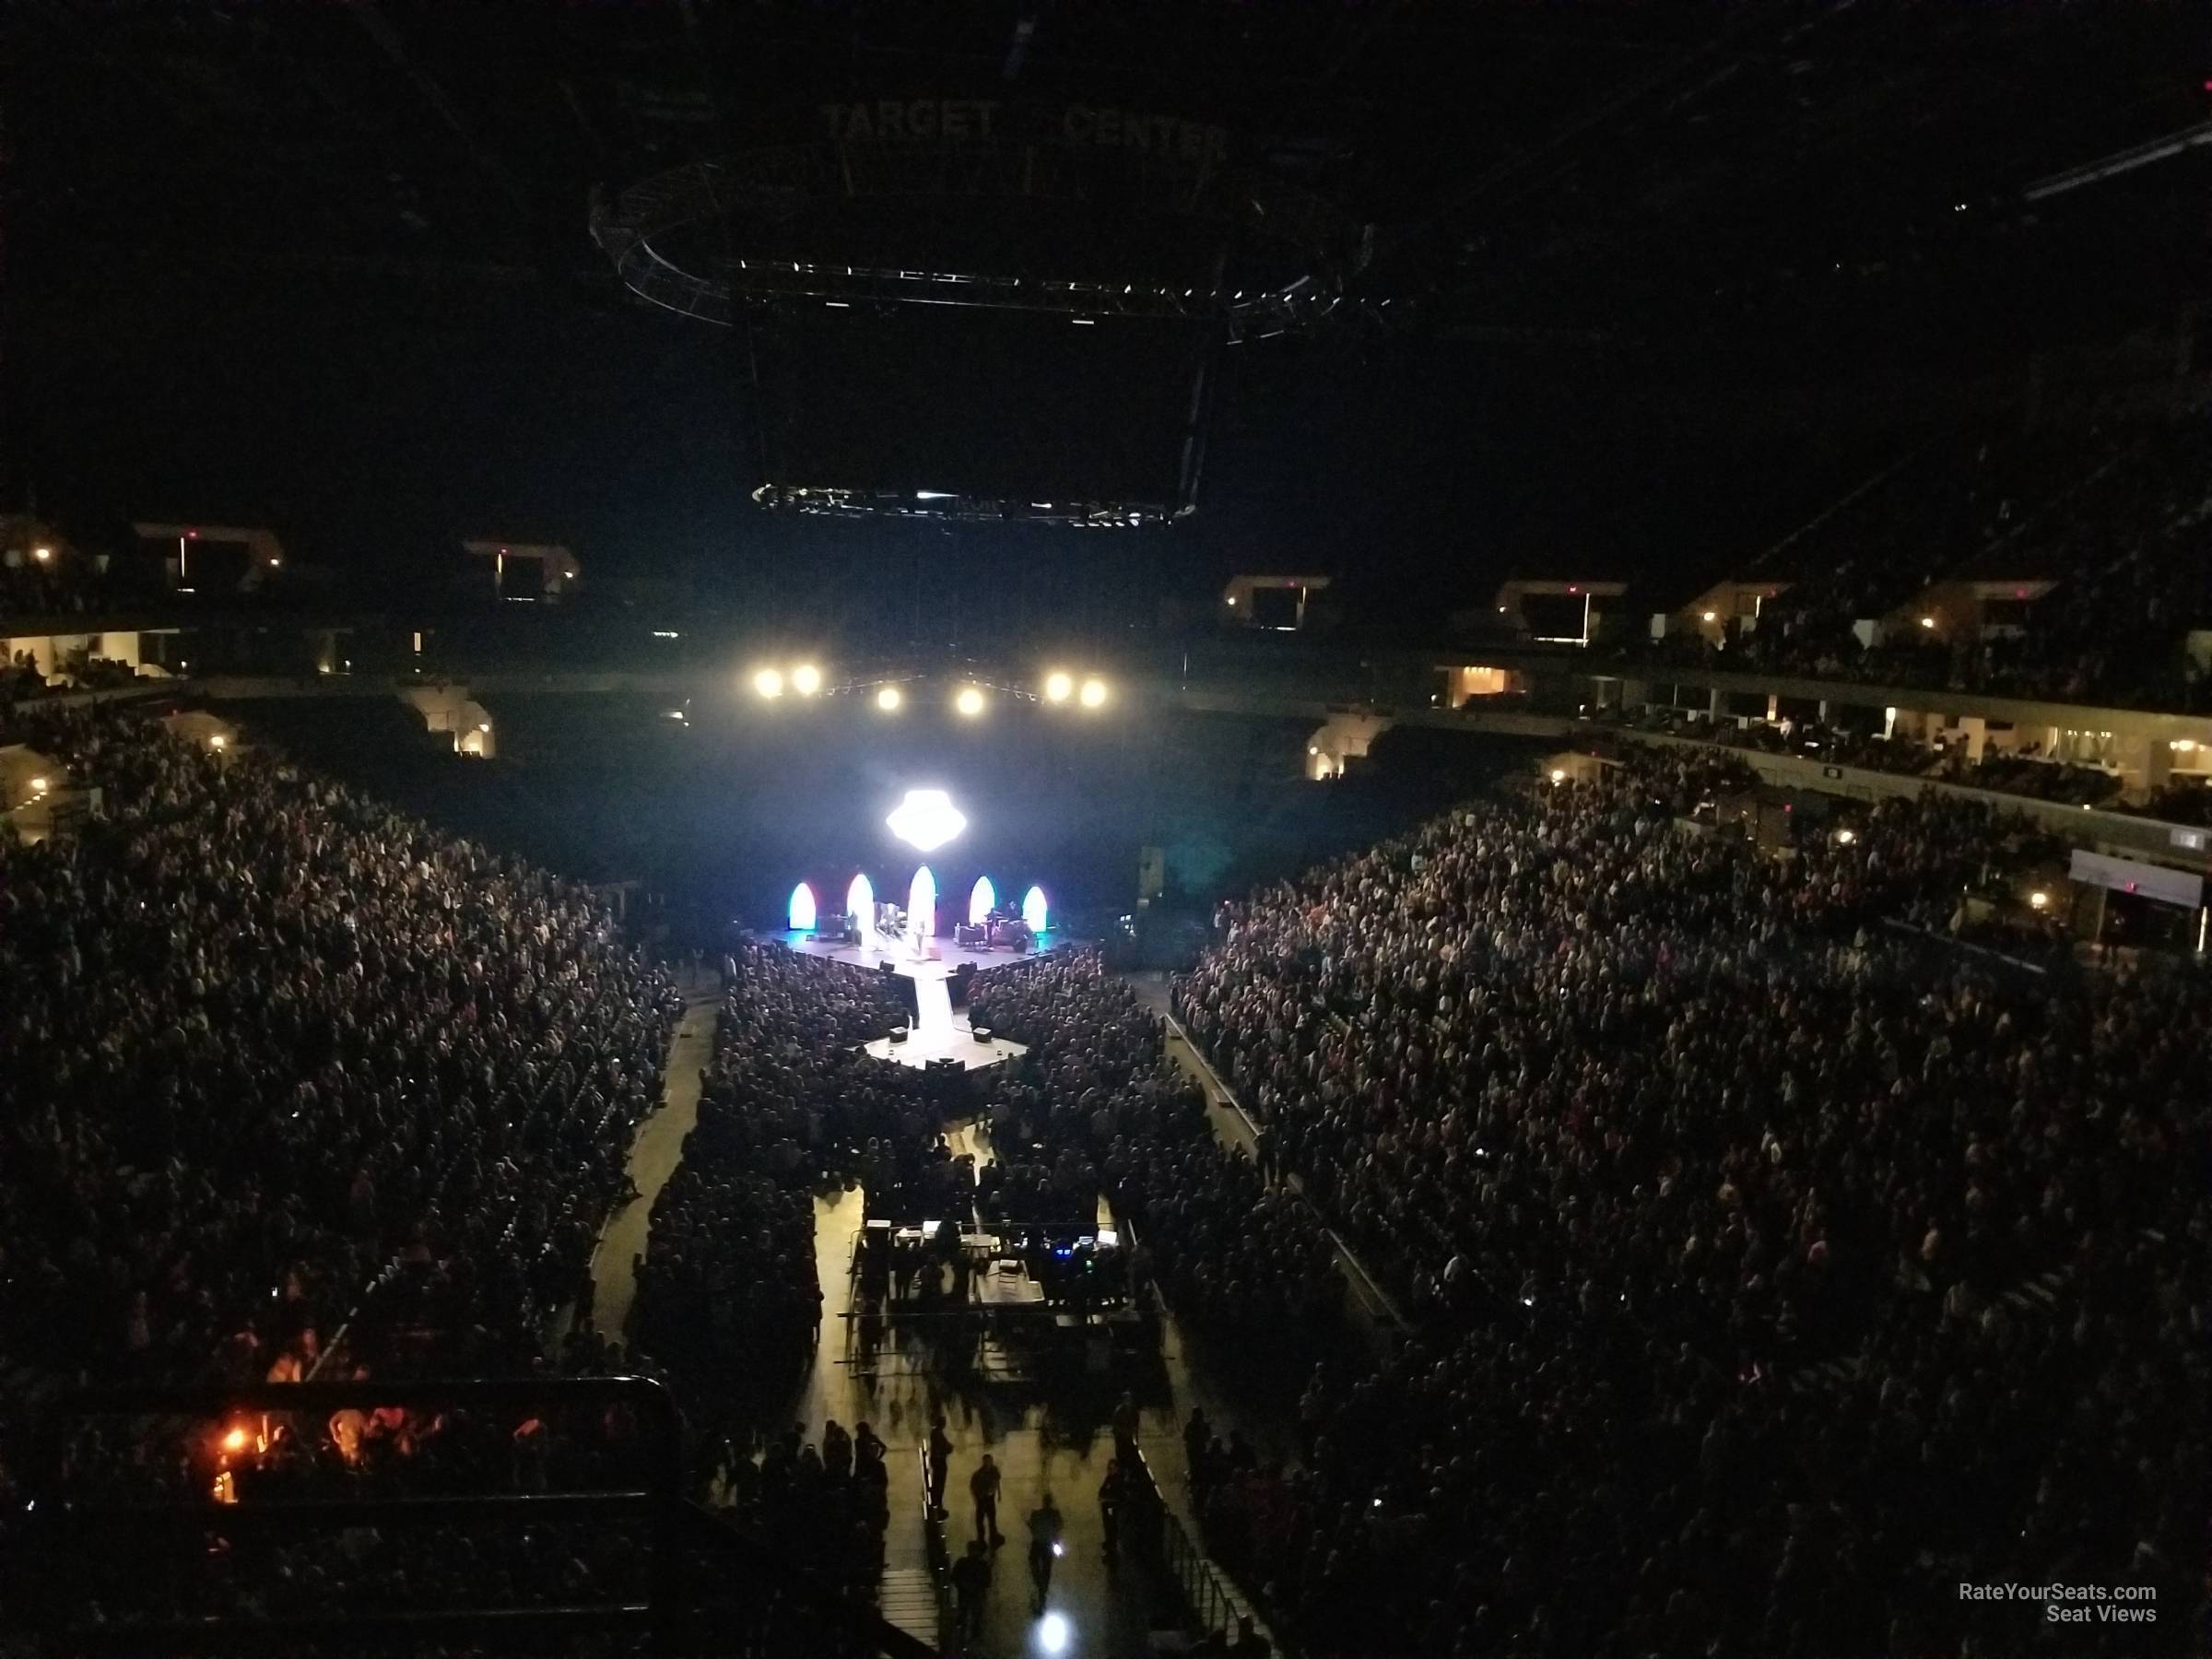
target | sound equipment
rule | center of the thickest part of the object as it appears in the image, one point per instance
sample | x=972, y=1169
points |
x=898, y=1033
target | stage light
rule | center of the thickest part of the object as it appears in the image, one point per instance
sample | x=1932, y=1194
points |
x=982, y=900
x=1845, y=837
x=860, y=901
x=42, y=554
x=1032, y=909
x=922, y=902
x=1058, y=688
x=1927, y=622
x=218, y=742
x=806, y=679
x=235, y=1441
x=1712, y=615
x=1052, y=1629
x=769, y=682
x=1559, y=775
x=926, y=820
x=2039, y=900
x=37, y=786
x=803, y=913
x=970, y=702
x=888, y=699
x=1094, y=693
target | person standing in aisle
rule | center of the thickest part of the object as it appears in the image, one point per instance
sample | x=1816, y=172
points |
x=983, y=1486
x=940, y=1466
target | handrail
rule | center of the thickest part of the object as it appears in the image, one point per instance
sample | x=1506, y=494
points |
x=1379, y=1297
x=671, y=1617
x=1214, y=1603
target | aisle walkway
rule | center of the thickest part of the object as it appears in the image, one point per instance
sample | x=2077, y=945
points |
x=1373, y=1311
x=1042, y=1438
x=654, y=1155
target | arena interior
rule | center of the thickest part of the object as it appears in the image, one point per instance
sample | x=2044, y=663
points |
x=1154, y=826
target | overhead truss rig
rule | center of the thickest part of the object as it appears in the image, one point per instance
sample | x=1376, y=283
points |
x=1309, y=246
x=963, y=509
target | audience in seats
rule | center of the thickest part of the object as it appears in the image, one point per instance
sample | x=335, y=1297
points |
x=1775, y=1271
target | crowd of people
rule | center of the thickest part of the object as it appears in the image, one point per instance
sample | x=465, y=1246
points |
x=2022, y=772
x=274, y=1058
x=789, y=1100
x=1769, y=1269
x=2119, y=519
x=1713, y=1195
x=262, y=1039
x=1097, y=1095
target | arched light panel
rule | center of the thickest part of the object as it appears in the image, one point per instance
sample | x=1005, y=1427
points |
x=801, y=908
x=982, y=900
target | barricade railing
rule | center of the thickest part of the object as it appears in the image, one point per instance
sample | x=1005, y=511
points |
x=1213, y=1605
x=701, y=1585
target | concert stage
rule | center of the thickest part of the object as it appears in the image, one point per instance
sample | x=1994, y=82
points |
x=950, y=956
x=936, y=1033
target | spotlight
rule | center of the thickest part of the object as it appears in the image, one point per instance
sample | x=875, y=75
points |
x=235, y=1441
x=1844, y=838
x=1559, y=775
x=2039, y=900
x=1052, y=1629
x=888, y=699
x=1927, y=622
x=768, y=683
x=1712, y=615
x=1094, y=693
x=806, y=679
x=970, y=702
x=1058, y=688
x=37, y=786
x=42, y=554
x=926, y=820
x=218, y=742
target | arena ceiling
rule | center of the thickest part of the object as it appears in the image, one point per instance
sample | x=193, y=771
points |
x=1574, y=167
x=240, y=236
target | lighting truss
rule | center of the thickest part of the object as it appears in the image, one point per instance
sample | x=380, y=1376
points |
x=960, y=509
x=1313, y=244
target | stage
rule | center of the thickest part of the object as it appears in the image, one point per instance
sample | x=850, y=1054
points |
x=951, y=958
x=936, y=1033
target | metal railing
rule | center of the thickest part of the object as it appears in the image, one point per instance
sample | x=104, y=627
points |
x=1212, y=1603
x=706, y=1586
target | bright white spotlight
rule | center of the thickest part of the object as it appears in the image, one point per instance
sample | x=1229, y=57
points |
x=1094, y=693
x=806, y=679
x=1058, y=688
x=1032, y=909
x=982, y=900
x=970, y=702
x=888, y=699
x=926, y=820
x=921, y=904
x=801, y=908
x=1052, y=1629
x=768, y=683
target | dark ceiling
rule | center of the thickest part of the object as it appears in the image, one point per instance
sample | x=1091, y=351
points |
x=1646, y=205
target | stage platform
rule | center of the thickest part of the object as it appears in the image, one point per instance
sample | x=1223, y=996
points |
x=952, y=955
x=936, y=1033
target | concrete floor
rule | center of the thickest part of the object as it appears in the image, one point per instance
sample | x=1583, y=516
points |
x=654, y=1155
